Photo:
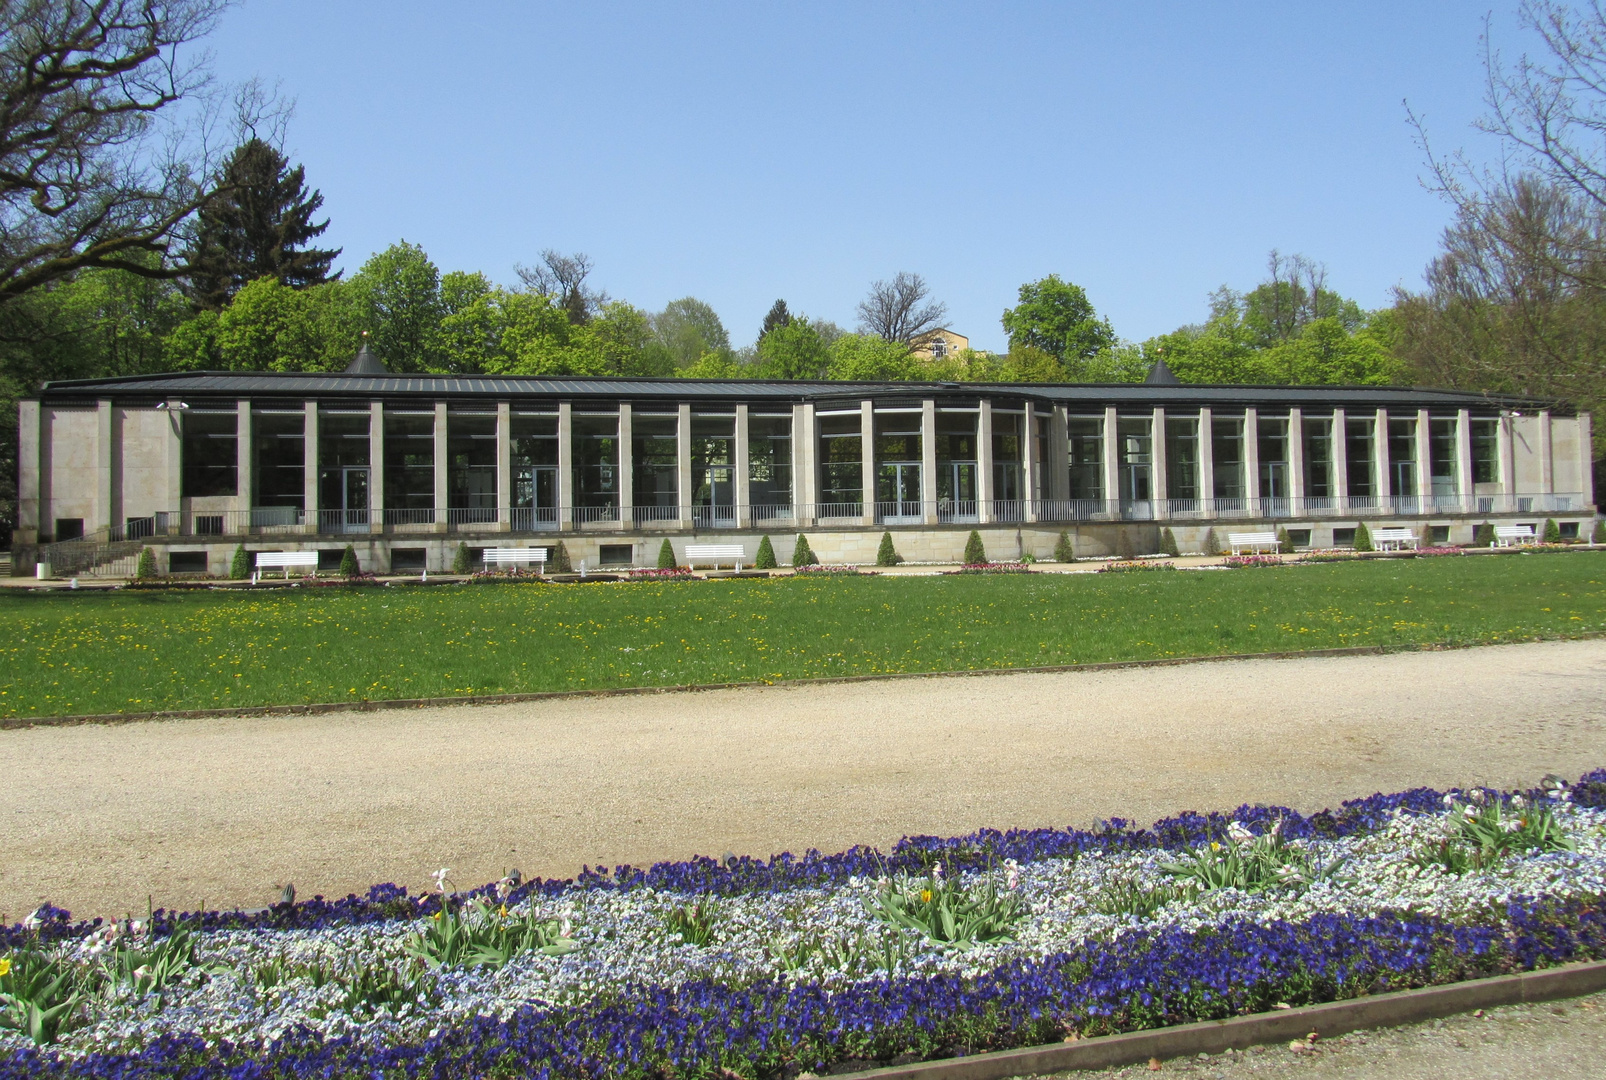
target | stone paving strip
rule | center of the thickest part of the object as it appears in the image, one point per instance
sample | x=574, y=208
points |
x=225, y=811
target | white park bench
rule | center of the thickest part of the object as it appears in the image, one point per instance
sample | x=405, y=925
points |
x=516, y=557
x=714, y=554
x=1393, y=539
x=1506, y=535
x=285, y=560
x=1254, y=541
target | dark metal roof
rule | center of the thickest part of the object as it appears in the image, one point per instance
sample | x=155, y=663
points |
x=334, y=385
x=366, y=363
x=1161, y=375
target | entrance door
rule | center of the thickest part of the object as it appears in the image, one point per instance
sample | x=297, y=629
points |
x=956, y=491
x=353, y=499
x=535, y=498
x=898, y=491
x=715, y=502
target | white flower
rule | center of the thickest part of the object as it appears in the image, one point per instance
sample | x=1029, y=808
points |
x=440, y=879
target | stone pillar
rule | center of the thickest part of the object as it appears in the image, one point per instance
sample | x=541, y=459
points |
x=173, y=440
x=309, y=467
x=683, y=463
x=105, y=511
x=867, y=460
x=1508, y=464
x=1058, y=443
x=1028, y=461
x=1159, y=478
x=244, y=473
x=1207, y=463
x=805, y=470
x=1252, y=462
x=29, y=479
x=1112, y=463
x=1463, y=461
x=741, y=468
x=984, y=462
x=1338, y=453
x=1384, y=481
x=1547, y=460
x=1296, y=462
x=442, y=465
x=1586, y=459
x=627, y=467
x=1424, y=462
x=504, y=466
x=928, y=461
x=565, y=465
x=376, y=467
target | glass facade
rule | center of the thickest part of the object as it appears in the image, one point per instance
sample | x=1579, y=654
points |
x=471, y=465
x=1007, y=448
x=1085, y=456
x=1485, y=451
x=1227, y=458
x=533, y=457
x=278, y=439
x=1402, y=457
x=596, y=465
x=841, y=465
x=713, y=468
x=343, y=464
x=897, y=459
x=1360, y=453
x=769, y=464
x=957, y=462
x=210, y=449
x=1182, y=461
x=1442, y=457
x=410, y=465
x=1137, y=464
x=655, y=465
x=1272, y=445
x=1319, y=477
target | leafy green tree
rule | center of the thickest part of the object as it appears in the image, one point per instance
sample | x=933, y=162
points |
x=975, y=553
x=398, y=298
x=260, y=225
x=713, y=366
x=687, y=330
x=887, y=555
x=802, y=554
x=1057, y=317
x=539, y=339
x=617, y=339
x=1064, y=550
x=869, y=358
x=473, y=325
x=764, y=558
x=666, y=555
x=240, y=564
x=793, y=351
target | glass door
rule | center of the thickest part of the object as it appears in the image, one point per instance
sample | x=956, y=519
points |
x=715, y=499
x=354, y=499
x=956, y=491
x=535, y=497
x=898, y=491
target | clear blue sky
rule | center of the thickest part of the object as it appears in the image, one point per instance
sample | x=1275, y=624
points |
x=747, y=151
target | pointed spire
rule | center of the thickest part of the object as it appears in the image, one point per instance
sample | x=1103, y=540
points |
x=365, y=362
x=1160, y=375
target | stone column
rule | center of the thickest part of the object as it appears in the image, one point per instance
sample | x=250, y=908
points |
x=1112, y=463
x=1058, y=442
x=105, y=507
x=683, y=462
x=1547, y=460
x=1384, y=480
x=1028, y=461
x=504, y=466
x=1463, y=462
x=244, y=473
x=1338, y=453
x=565, y=465
x=627, y=467
x=805, y=473
x=442, y=467
x=309, y=467
x=1159, y=477
x=1586, y=462
x=1252, y=462
x=1424, y=462
x=1508, y=464
x=29, y=478
x=741, y=468
x=1296, y=462
x=1207, y=463
x=376, y=467
x=173, y=440
x=867, y=459
x=984, y=462
x=928, y=461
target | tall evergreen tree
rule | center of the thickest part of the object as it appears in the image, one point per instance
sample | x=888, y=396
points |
x=778, y=316
x=259, y=226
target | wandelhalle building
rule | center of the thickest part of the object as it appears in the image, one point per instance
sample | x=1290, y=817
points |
x=407, y=467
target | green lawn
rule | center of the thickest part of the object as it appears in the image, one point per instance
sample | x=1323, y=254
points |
x=138, y=651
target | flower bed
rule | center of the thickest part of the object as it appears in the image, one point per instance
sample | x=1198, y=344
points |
x=1132, y=566
x=673, y=573
x=1244, y=562
x=993, y=568
x=829, y=569
x=769, y=968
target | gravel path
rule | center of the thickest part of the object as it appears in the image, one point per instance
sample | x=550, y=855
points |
x=1561, y=1040
x=225, y=811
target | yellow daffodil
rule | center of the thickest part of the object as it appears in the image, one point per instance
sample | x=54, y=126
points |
x=5, y=966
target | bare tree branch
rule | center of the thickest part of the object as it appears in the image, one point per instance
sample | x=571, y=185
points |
x=897, y=310
x=563, y=279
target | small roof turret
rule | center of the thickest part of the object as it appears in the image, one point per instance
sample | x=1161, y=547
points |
x=366, y=363
x=1160, y=375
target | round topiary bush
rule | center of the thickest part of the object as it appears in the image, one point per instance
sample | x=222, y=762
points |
x=975, y=552
x=765, y=557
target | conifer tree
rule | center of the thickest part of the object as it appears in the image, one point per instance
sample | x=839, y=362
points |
x=1483, y=535
x=666, y=555
x=147, y=564
x=1064, y=550
x=1210, y=546
x=1552, y=531
x=1363, y=538
x=778, y=316
x=1600, y=532
x=259, y=225
x=460, y=561
x=1168, y=542
x=1285, y=546
x=975, y=553
x=887, y=555
x=559, y=561
x=802, y=554
x=765, y=558
x=240, y=564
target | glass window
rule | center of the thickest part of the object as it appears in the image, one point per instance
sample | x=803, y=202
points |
x=471, y=455
x=1441, y=455
x=1272, y=443
x=1402, y=456
x=1085, y=454
x=409, y=460
x=596, y=460
x=1227, y=454
x=1007, y=447
x=897, y=437
x=842, y=462
x=655, y=459
x=279, y=472
x=769, y=461
x=211, y=441
x=1485, y=451
x=533, y=453
x=1360, y=451
x=1318, y=457
x=1182, y=457
x=1137, y=462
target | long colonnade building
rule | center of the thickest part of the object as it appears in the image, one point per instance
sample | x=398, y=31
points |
x=407, y=467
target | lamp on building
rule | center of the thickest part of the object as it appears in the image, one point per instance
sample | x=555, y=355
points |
x=174, y=405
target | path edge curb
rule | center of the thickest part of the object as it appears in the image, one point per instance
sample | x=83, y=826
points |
x=13, y=723
x=1215, y=1036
